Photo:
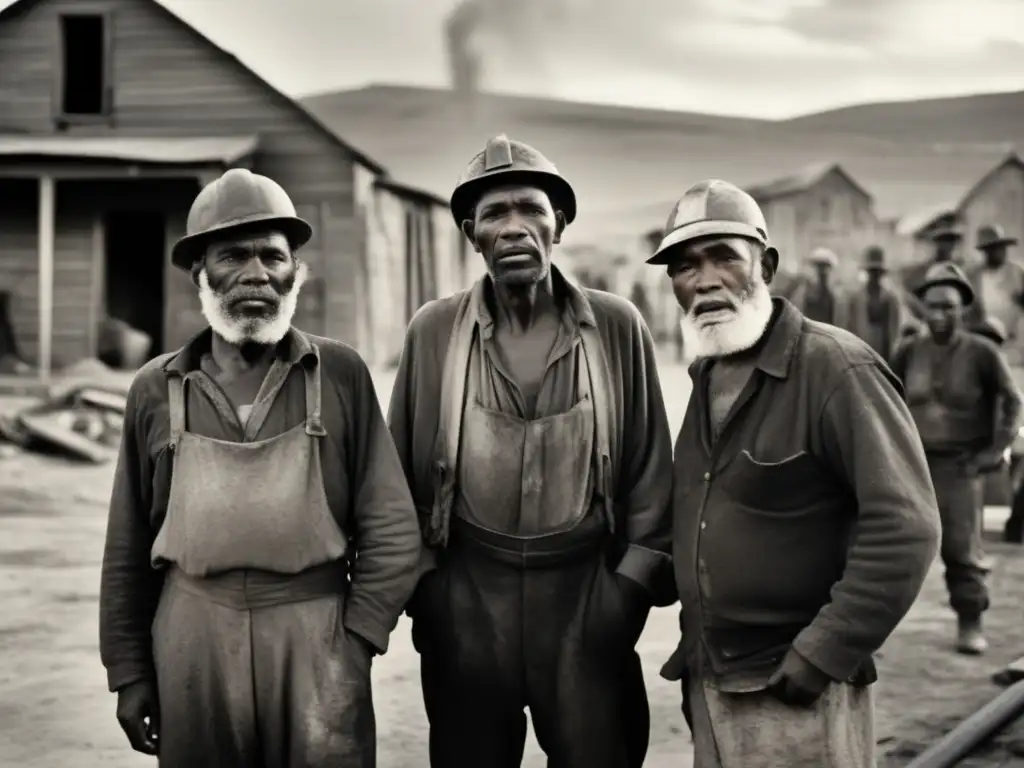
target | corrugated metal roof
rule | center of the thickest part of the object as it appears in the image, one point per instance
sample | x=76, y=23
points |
x=169, y=151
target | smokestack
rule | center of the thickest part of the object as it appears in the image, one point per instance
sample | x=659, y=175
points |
x=463, y=60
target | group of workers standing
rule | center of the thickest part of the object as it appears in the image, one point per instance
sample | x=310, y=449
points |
x=522, y=501
x=950, y=335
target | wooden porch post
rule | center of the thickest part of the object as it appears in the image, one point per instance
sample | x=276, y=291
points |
x=47, y=223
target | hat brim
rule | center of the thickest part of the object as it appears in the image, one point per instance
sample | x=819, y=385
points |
x=704, y=228
x=560, y=192
x=191, y=247
x=965, y=289
x=939, y=237
x=995, y=243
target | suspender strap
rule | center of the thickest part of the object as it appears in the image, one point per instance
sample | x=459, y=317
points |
x=453, y=399
x=314, y=389
x=176, y=408
x=598, y=377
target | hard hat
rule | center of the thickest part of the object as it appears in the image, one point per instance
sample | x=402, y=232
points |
x=873, y=258
x=948, y=274
x=237, y=199
x=824, y=256
x=711, y=208
x=507, y=161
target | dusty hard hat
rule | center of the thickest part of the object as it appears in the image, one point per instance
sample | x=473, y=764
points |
x=507, y=161
x=823, y=256
x=237, y=199
x=991, y=235
x=947, y=233
x=948, y=274
x=711, y=208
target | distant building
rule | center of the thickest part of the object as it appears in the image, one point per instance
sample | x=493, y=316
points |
x=821, y=206
x=996, y=198
x=417, y=255
x=914, y=233
x=116, y=114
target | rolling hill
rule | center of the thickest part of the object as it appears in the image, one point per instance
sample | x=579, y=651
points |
x=629, y=164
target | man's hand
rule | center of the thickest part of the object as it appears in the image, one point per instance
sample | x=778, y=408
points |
x=985, y=461
x=138, y=712
x=797, y=682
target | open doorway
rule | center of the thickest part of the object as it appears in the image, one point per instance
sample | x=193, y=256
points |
x=134, y=281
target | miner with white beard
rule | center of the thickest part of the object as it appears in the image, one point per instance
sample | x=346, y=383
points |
x=804, y=516
x=262, y=540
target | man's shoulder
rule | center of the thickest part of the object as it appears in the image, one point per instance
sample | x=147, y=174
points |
x=150, y=381
x=614, y=310
x=437, y=317
x=826, y=348
x=335, y=354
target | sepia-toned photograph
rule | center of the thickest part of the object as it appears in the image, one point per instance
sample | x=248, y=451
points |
x=489, y=384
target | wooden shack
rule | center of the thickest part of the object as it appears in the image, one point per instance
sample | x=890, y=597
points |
x=996, y=198
x=418, y=254
x=820, y=206
x=115, y=113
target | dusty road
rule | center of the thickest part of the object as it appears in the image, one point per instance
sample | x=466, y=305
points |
x=55, y=711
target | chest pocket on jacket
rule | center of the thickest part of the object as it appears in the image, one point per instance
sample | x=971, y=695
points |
x=793, y=486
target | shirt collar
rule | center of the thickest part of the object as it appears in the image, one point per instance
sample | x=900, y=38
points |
x=577, y=306
x=294, y=348
x=778, y=344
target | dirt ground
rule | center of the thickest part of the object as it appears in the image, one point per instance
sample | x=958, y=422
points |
x=55, y=711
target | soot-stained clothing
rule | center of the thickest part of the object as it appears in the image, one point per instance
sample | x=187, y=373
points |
x=810, y=523
x=639, y=436
x=964, y=401
x=364, y=487
x=962, y=394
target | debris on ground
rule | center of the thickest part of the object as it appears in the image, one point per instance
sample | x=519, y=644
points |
x=81, y=417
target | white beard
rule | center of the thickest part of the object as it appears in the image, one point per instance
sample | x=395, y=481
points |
x=738, y=334
x=258, y=330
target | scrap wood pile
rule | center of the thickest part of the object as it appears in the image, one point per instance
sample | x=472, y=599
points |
x=81, y=417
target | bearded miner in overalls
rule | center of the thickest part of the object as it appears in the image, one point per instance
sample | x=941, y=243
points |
x=967, y=407
x=529, y=417
x=804, y=517
x=237, y=623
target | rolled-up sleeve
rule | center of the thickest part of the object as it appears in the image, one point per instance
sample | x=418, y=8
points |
x=129, y=586
x=646, y=485
x=387, y=535
x=870, y=441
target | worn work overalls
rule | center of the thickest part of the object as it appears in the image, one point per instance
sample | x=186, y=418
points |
x=524, y=610
x=254, y=666
x=944, y=403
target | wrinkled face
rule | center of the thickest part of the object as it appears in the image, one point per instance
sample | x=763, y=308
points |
x=515, y=228
x=248, y=287
x=721, y=283
x=995, y=255
x=945, y=309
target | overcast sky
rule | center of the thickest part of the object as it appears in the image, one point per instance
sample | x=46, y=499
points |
x=767, y=58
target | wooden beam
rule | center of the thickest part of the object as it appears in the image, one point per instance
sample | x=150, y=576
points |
x=47, y=228
x=97, y=287
x=59, y=172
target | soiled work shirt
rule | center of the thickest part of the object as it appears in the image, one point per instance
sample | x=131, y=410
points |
x=638, y=426
x=811, y=522
x=962, y=394
x=363, y=482
x=498, y=390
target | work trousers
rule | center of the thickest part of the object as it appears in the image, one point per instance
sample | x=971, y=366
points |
x=961, y=508
x=253, y=674
x=508, y=623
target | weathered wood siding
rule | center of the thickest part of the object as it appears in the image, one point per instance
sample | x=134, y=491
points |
x=167, y=81
x=19, y=262
x=387, y=275
x=832, y=214
x=999, y=200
